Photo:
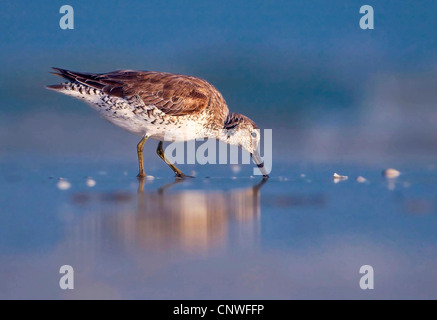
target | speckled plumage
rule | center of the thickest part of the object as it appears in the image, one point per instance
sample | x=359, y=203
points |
x=164, y=106
x=161, y=106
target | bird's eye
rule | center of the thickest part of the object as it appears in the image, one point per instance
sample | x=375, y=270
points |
x=254, y=134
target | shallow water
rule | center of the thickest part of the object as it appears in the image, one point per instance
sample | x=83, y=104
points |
x=299, y=235
x=338, y=98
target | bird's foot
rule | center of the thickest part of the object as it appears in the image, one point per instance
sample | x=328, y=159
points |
x=182, y=176
x=141, y=175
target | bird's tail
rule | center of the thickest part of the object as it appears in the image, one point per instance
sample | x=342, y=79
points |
x=71, y=76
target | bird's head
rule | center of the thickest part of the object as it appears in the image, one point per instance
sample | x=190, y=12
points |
x=243, y=132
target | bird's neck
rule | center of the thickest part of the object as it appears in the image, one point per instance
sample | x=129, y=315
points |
x=219, y=134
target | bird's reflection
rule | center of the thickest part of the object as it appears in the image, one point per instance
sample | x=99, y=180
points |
x=165, y=218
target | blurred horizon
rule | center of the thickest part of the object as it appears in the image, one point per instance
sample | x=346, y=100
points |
x=337, y=98
x=304, y=69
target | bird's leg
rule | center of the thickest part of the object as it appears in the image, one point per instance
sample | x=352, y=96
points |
x=160, y=152
x=140, y=147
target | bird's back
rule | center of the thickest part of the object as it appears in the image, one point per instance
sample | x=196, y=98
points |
x=152, y=99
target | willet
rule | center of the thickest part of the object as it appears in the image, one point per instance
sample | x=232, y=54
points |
x=164, y=107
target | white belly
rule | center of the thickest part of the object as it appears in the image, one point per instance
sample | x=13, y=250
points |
x=149, y=121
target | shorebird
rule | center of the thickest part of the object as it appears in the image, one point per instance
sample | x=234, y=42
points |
x=162, y=106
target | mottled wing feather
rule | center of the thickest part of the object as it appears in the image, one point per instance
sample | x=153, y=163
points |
x=175, y=95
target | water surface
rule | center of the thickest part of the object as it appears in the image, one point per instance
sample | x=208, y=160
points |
x=298, y=235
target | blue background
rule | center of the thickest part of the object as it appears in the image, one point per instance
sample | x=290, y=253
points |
x=338, y=98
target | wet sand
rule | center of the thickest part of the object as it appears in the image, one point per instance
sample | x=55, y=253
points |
x=299, y=235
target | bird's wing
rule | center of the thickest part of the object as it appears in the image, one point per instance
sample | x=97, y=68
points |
x=175, y=95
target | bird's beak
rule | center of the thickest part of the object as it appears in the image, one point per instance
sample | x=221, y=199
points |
x=260, y=163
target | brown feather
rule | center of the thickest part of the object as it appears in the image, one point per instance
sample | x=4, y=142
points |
x=175, y=95
x=236, y=119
